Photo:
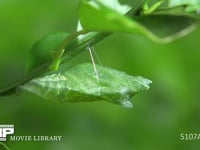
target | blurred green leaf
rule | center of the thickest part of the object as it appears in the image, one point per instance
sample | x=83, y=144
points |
x=116, y=5
x=95, y=16
x=167, y=27
x=43, y=51
x=193, y=5
x=175, y=10
x=79, y=84
x=181, y=2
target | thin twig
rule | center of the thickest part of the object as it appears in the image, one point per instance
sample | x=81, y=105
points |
x=5, y=146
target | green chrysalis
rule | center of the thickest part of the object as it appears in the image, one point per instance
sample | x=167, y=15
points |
x=79, y=84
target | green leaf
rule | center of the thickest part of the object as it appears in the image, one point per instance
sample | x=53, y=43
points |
x=95, y=16
x=175, y=10
x=46, y=49
x=79, y=84
x=167, y=27
x=181, y=2
x=115, y=5
x=192, y=5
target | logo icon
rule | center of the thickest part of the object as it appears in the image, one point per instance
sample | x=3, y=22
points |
x=5, y=130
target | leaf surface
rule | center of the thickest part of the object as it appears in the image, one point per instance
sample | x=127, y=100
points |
x=44, y=49
x=94, y=16
x=167, y=27
x=192, y=5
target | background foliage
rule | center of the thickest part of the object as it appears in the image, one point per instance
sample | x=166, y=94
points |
x=169, y=108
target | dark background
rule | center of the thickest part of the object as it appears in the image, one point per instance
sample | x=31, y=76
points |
x=159, y=116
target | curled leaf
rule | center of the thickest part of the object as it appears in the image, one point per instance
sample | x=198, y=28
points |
x=165, y=26
x=43, y=51
x=79, y=84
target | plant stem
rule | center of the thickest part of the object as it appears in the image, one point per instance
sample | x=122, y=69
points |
x=69, y=53
x=5, y=146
